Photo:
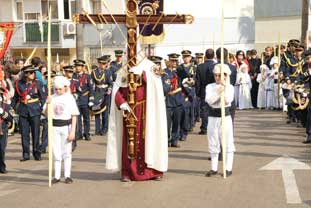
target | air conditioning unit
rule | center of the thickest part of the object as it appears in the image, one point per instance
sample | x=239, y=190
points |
x=69, y=29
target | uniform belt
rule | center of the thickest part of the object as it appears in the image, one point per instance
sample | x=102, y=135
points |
x=86, y=93
x=30, y=101
x=216, y=112
x=102, y=86
x=174, y=91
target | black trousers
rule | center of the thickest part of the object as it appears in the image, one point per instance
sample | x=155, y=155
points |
x=85, y=115
x=27, y=124
x=203, y=115
x=173, y=123
x=3, y=143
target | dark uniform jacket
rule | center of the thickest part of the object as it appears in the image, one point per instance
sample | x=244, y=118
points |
x=172, y=89
x=204, y=76
x=30, y=98
x=85, y=89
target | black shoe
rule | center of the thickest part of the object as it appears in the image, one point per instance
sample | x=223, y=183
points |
x=68, y=180
x=88, y=138
x=3, y=171
x=98, y=133
x=38, y=158
x=307, y=142
x=175, y=145
x=24, y=159
x=211, y=173
x=125, y=180
x=202, y=132
x=288, y=122
x=54, y=181
x=228, y=173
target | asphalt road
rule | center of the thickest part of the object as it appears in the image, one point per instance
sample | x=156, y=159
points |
x=260, y=137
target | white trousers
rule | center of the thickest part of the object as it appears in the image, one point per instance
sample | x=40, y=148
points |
x=214, y=140
x=61, y=151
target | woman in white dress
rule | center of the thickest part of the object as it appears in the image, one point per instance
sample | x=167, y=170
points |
x=245, y=86
x=261, y=98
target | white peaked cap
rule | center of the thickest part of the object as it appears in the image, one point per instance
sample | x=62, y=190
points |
x=217, y=69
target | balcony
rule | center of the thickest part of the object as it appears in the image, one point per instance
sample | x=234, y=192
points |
x=33, y=34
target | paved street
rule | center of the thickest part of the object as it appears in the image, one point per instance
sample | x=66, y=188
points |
x=260, y=137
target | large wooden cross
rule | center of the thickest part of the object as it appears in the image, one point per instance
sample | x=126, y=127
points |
x=131, y=19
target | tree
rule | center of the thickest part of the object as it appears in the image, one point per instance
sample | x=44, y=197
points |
x=304, y=20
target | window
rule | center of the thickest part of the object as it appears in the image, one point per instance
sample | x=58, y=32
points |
x=96, y=5
x=45, y=6
x=66, y=9
x=31, y=16
x=73, y=7
x=19, y=10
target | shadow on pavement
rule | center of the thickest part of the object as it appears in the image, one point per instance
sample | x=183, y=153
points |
x=188, y=172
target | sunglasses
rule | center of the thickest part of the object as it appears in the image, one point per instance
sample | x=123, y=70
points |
x=30, y=72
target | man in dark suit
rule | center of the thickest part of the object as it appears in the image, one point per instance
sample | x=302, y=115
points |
x=204, y=76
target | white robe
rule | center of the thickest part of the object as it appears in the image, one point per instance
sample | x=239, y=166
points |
x=269, y=89
x=156, y=139
x=245, y=86
x=276, y=93
x=261, y=98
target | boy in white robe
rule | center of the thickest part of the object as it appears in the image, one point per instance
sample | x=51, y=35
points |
x=64, y=114
x=213, y=93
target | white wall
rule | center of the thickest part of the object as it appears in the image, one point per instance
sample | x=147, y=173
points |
x=205, y=31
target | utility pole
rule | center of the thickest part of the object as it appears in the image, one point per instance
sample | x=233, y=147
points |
x=304, y=20
x=79, y=35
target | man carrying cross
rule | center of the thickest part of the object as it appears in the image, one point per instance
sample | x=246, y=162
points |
x=151, y=152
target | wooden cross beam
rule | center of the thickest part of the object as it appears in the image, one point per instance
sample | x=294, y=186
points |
x=131, y=19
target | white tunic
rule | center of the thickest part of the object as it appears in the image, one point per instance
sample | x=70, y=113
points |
x=63, y=108
x=214, y=123
x=245, y=83
x=261, y=98
x=269, y=89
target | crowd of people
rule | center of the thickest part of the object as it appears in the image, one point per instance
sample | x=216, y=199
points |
x=276, y=80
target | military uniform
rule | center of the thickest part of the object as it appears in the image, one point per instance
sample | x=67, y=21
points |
x=186, y=75
x=44, y=121
x=103, y=85
x=85, y=98
x=5, y=118
x=30, y=95
x=114, y=65
x=74, y=84
x=174, y=101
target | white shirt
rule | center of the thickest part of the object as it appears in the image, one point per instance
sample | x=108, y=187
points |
x=63, y=106
x=213, y=97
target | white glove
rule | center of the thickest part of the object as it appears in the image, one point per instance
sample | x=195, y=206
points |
x=125, y=107
x=1, y=110
x=304, y=94
x=136, y=70
x=91, y=104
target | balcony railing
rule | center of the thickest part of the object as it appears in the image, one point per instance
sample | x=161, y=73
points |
x=33, y=33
